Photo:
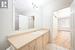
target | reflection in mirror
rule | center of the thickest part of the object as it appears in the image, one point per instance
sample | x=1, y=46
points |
x=24, y=22
x=24, y=17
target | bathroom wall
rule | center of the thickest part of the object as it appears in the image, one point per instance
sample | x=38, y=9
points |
x=6, y=24
x=73, y=24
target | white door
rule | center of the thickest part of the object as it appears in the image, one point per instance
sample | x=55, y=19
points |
x=55, y=27
x=23, y=22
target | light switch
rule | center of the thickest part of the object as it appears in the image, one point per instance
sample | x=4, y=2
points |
x=3, y=3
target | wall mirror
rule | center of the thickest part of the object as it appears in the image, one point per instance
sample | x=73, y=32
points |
x=23, y=19
x=24, y=22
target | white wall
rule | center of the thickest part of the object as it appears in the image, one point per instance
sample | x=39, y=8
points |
x=73, y=24
x=5, y=24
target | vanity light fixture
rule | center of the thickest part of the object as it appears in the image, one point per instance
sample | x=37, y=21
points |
x=34, y=5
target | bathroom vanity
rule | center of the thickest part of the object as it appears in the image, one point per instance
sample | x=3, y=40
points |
x=35, y=39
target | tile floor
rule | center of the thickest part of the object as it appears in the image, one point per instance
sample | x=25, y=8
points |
x=55, y=47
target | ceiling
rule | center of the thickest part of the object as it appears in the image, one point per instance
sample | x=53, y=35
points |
x=27, y=5
x=66, y=12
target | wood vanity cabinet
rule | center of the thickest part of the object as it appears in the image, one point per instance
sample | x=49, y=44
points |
x=30, y=46
x=38, y=43
x=24, y=48
x=45, y=40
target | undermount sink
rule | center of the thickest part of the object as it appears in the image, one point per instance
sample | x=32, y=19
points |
x=34, y=32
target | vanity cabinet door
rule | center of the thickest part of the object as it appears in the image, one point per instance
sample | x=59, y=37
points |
x=30, y=46
x=39, y=44
x=45, y=40
x=25, y=47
